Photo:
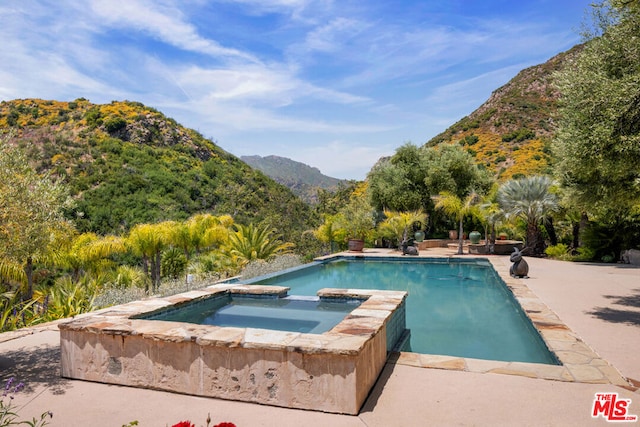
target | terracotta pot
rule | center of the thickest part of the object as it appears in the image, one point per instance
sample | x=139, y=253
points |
x=453, y=234
x=356, y=245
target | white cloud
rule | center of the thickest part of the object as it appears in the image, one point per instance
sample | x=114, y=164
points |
x=164, y=22
x=330, y=37
x=274, y=86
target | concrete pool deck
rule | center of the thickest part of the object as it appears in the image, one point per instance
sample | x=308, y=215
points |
x=599, y=303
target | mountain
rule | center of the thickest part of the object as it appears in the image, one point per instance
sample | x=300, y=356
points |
x=511, y=132
x=302, y=179
x=126, y=163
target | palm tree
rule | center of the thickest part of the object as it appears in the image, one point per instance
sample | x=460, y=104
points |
x=530, y=200
x=458, y=208
x=251, y=242
x=88, y=252
x=396, y=224
x=492, y=215
x=148, y=241
x=330, y=231
x=200, y=232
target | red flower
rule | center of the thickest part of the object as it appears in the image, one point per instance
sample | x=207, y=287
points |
x=184, y=424
x=225, y=424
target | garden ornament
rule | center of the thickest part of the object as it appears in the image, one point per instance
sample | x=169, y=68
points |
x=519, y=268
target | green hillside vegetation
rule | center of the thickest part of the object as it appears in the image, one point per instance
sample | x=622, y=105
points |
x=125, y=164
x=303, y=180
x=511, y=133
x=100, y=204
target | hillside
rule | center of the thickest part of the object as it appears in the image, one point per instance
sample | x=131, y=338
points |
x=300, y=178
x=126, y=163
x=511, y=132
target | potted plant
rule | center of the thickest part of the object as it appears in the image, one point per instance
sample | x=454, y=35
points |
x=357, y=220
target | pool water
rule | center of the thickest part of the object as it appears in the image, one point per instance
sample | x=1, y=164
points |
x=294, y=314
x=455, y=307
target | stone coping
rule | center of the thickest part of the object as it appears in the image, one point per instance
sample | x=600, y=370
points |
x=347, y=337
x=579, y=362
x=332, y=372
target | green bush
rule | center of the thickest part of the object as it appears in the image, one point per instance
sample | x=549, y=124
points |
x=173, y=263
x=559, y=251
x=519, y=135
x=114, y=124
x=585, y=254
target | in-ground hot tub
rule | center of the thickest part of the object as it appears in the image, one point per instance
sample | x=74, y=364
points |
x=332, y=371
x=293, y=313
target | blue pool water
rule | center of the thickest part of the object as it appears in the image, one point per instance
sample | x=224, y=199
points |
x=294, y=314
x=455, y=307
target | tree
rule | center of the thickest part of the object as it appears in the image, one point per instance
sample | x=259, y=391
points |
x=529, y=199
x=396, y=224
x=148, y=242
x=330, y=232
x=251, y=242
x=409, y=179
x=398, y=183
x=598, y=138
x=87, y=252
x=31, y=210
x=459, y=208
x=452, y=169
x=357, y=218
x=200, y=232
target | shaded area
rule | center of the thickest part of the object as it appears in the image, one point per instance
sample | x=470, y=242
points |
x=376, y=391
x=613, y=315
x=34, y=367
x=616, y=316
x=629, y=300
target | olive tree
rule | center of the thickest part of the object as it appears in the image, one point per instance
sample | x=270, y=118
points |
x=408, y=180
x=598, y=138
x=31, y=213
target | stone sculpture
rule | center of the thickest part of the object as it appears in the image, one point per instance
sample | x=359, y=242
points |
x=408, y=249
x=631, y=256
x=519, y=268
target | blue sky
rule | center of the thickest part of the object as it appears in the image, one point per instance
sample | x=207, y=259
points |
x=334, y=84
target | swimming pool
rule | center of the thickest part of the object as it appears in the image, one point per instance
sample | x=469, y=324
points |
x=456, y=307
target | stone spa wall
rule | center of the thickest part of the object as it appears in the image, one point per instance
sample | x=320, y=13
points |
x=331, y=372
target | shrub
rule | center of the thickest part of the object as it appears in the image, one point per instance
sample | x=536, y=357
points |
x=559, y=251
x=585, y=254
x=114, y=124
x=519, y=135
x=174, y=263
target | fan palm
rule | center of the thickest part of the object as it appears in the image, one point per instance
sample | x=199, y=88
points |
x=530, y=200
